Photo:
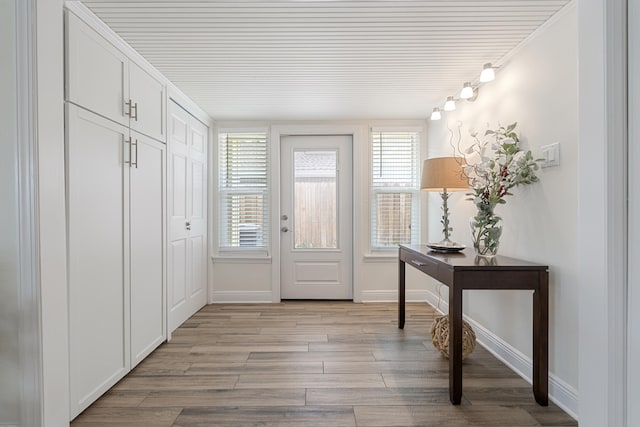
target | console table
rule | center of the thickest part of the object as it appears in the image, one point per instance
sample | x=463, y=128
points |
x=460, y=271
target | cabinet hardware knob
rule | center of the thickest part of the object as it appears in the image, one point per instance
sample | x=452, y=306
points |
x=284, y=229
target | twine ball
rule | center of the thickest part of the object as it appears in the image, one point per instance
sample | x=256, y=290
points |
x=440, y=336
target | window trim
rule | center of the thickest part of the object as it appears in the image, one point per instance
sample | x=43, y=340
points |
x=241, y=253
x=377, y=252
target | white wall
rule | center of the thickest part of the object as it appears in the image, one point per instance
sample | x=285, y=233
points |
x=51, y=201
x=375, y=278
x=537, y=88
x=9, y=367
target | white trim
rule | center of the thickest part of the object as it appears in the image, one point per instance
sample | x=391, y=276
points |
x=238, y=259
x=176, y=95
x=370, y=258
x=392, y=296
x=602, y=211
x=242, y=297
x=561, y=393
x=396, y=128
x=30, y=334
x=633, y=300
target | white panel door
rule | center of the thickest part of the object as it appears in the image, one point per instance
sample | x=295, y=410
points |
x=147, y=207
x=147, y=98
x=197, y=214
x=187, y=253
x=98, y=218
x=316, y=217
x=97, y=74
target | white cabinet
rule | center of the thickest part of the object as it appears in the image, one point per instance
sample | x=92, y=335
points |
x=98, y=248
x=147, y=237
x=116, y=228
x=102, y=79
x=187, y=258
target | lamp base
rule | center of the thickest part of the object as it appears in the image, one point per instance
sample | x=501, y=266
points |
x=448, y=243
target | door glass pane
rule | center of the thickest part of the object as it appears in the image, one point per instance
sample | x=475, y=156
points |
x=315, y=199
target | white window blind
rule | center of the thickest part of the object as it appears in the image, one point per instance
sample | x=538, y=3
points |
x=395, y=193
x=243, y=186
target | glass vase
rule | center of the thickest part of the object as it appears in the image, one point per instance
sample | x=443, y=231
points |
x=486, y=229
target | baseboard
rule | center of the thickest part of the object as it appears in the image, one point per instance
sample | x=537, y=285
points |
x=241, y=297
x=392, y=296
x=560, y=393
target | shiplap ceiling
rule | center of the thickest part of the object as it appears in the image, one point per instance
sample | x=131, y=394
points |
x=295, y=60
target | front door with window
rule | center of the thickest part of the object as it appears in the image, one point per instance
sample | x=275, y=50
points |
x=316, y=217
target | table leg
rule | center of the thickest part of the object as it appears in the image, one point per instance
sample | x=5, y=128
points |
x=541, y=340
x=455, y=345
x=401, y=293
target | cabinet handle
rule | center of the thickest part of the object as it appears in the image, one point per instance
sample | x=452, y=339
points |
x=134, y=110
x=128, y=141
x=418, y=263
x=136, y=145
x=128, y=104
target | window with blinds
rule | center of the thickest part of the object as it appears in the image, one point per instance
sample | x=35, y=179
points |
x=243, y=190
x=395, y=192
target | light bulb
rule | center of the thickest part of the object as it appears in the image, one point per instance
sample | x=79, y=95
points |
x=450, y=105
x=435, y=115
x=467, y=91
x=487, y=73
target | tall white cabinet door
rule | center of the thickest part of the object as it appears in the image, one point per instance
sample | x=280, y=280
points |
x=147, y=207
x=97, y=74
x=147, y=97
x=98, y=218
x=187, y=266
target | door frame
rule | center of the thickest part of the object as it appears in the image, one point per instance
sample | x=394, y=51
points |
x=357, y=138
x=343, y=146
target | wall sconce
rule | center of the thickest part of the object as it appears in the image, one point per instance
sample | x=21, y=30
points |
x=467, y=91
x=450, y=105
x=435, y=114
x=487, y=73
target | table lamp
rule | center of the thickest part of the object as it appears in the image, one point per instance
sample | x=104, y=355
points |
x=444, y=174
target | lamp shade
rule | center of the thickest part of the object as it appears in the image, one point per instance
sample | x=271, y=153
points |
x=443, y=172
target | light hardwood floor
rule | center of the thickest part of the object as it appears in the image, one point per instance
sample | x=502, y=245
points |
x=314, y=364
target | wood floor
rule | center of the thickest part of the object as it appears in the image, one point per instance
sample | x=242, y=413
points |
x=314, y=364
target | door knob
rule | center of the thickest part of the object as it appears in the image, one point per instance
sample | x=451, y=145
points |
x=188, y=225
x=284, y=229
x=284, y=217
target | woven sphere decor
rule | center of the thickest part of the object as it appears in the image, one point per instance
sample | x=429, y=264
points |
x=440, y=336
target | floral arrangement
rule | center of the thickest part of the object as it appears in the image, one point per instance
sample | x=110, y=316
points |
x=494, y=165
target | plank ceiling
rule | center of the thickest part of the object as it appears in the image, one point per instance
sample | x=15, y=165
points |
x=294, y=60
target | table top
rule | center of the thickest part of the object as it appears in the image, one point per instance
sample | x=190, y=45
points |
x=467, y=260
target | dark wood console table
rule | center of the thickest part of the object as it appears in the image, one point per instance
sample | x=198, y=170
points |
x=460, y=271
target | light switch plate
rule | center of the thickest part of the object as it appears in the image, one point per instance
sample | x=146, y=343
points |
x=551, y=155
